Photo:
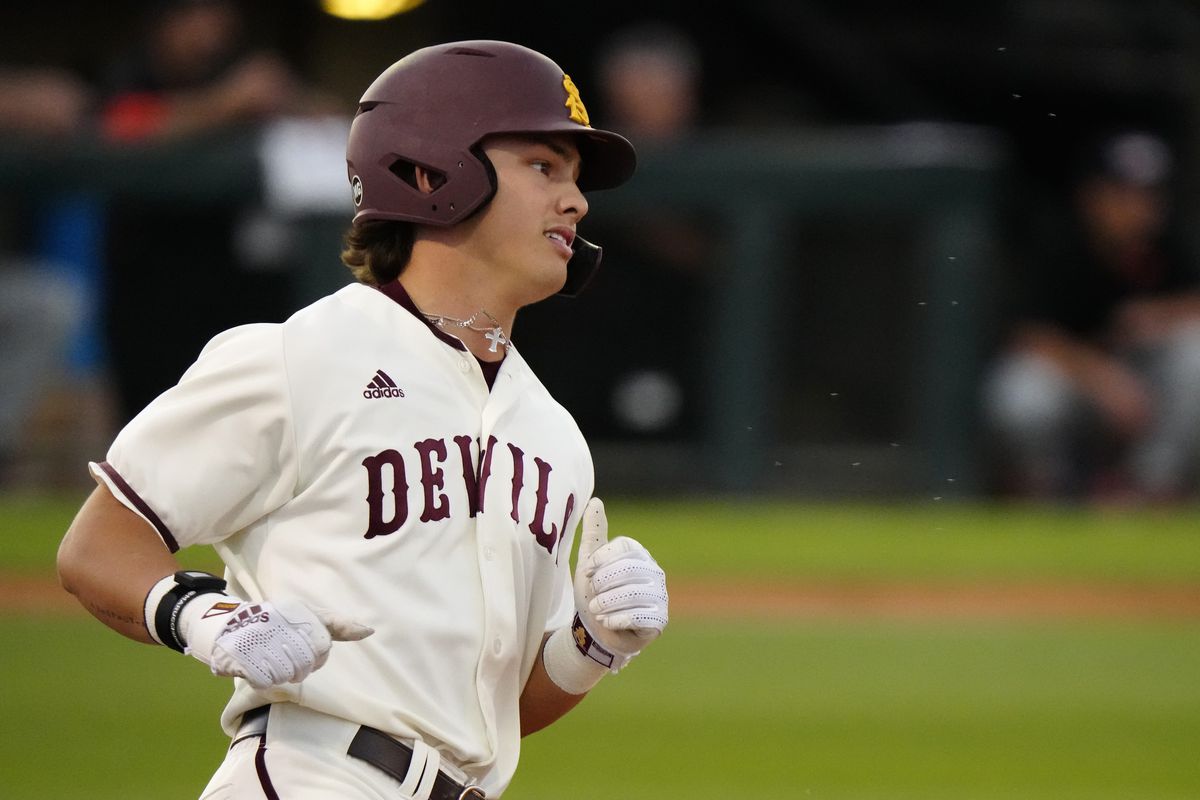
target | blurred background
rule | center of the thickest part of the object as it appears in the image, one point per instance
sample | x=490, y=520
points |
x=815, y=284
x=893, y=362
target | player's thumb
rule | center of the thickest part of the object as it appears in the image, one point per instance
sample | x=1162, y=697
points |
x=342, y=629
x=595, y=530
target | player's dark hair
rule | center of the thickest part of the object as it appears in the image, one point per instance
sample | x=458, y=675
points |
x=378, y=251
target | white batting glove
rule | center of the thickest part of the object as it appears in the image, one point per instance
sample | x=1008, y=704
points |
x=267, y=643
x=620, y=590
x=620, y=607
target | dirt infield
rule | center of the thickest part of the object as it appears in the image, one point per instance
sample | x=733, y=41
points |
x=775, y=600
x=919, y=601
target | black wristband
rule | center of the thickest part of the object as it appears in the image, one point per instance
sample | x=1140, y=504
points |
x=188, y=586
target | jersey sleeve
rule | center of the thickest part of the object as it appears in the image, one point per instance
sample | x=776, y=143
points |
x=216, y=451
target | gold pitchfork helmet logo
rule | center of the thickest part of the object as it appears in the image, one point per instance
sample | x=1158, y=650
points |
x=574, y=103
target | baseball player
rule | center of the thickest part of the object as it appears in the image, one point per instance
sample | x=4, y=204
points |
x=392, y=490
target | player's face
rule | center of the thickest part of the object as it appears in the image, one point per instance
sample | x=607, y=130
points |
x=525, y=233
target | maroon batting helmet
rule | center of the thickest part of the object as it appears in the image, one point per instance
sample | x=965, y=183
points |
x=434, y=107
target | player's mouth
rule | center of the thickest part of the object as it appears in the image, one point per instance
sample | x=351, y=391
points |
x=562, y=237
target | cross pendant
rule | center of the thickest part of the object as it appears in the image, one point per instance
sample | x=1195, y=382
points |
x=496, y=337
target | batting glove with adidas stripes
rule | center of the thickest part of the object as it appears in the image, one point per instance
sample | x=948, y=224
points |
x=265, y=642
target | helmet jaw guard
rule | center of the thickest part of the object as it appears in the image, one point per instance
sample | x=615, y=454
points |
x=581, y=267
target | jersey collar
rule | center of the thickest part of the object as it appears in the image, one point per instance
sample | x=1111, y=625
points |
x=397, y=293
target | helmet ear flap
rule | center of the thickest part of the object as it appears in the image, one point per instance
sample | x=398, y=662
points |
x=407, y=171
x=490, y=170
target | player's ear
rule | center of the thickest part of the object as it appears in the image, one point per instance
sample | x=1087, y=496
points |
x=427, y=182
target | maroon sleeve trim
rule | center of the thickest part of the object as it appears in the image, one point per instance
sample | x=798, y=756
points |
x=143, y=508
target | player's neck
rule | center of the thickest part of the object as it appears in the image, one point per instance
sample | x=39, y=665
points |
x=467, y=308
x=456, y=284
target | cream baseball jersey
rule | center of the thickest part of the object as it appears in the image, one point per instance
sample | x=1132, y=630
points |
x=356, y=460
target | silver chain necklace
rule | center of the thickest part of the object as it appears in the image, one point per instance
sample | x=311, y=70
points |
x=494, y=333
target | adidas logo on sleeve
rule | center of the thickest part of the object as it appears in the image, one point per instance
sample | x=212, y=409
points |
x=382, y=386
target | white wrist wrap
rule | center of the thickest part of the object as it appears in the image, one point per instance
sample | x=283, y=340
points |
x=570, y=669
x=201, y=623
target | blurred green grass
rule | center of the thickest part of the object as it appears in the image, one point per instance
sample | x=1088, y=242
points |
x=905, y=542
x=870, y=710
x=847, y=709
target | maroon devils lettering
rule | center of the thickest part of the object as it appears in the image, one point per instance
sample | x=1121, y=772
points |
x=566, y=516
x=437, y=506
x=376, y=524
x=485, y=469
x=474, y=498
x=386, y=516
x=546, y=539
x=518, y=479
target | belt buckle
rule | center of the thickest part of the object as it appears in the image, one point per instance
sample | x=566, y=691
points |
x=472, y=793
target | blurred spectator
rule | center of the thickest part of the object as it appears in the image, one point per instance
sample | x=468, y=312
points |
x=42, y=102
x=38, y=310
x=650, y=82
x=642, y=378
x=1096, y=395
x=39, y=304
x=650, y=79
x=179, y=271
x=194, y=71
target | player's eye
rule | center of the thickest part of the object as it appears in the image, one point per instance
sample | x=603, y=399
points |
x=543, y=167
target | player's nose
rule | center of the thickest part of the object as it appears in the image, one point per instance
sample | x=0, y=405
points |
x=572, y=202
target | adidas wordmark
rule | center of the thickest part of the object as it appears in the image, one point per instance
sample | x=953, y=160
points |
x=382, y=386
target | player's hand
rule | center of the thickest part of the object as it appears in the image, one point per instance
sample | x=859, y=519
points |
x=267, y=643
x=620, y=590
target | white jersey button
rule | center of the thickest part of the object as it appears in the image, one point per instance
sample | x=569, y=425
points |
x=497, y=645
x=489, y=553
x=464, y=365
